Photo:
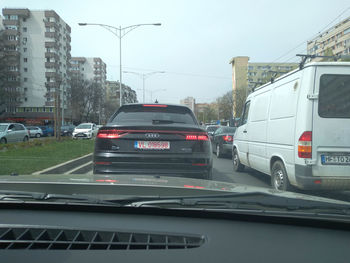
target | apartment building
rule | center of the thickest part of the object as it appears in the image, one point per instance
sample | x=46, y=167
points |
x=247, y=75
x=38, y=50
x=189, y=102
x=335, y=39
x=89, y=68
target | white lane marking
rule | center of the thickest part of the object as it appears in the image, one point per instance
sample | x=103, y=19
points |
x=77, y=168
x=60, y=164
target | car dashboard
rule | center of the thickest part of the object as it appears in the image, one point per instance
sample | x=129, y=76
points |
x=85, y=233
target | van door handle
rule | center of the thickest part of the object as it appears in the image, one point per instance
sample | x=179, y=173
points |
x=244, y=131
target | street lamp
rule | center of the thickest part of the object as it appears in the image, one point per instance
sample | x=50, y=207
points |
x=144, y=76
x=119, y=32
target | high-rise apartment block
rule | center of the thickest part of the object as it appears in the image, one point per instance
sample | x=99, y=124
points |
x=335, y=39
x=38, y=54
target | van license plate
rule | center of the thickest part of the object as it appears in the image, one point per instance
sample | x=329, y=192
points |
x=152, y=145
x=335, y=159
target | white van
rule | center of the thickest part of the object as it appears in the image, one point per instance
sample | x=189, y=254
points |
x=297, y=129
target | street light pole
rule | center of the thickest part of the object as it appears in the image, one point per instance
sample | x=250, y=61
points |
x=119, y=32
x=144, y=76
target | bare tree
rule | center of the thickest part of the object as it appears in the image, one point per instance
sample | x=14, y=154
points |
x=239, y=98
x=86, y=99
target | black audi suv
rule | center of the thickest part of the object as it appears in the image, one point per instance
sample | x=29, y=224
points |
x=156, y=139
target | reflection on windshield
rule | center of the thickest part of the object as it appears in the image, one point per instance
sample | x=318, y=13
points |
x=3, y=128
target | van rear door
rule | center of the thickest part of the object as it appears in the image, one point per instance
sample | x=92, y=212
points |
x=331, y=121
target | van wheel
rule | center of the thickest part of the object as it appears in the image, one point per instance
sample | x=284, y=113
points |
x=3, y=141
x=237, y=166
x=279, y=178
x=37, y=135
x=25, y=139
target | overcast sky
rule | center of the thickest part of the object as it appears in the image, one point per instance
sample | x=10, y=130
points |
x=196, y=41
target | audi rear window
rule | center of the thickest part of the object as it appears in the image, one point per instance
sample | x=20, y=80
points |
x=334, y=96
x=159, y=115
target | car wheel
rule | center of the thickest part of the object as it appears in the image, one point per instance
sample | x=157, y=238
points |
x=279, y=177
x=25, y=139
x=37, y=135
x=237, y=166
x=3, y=141
x=218, y=151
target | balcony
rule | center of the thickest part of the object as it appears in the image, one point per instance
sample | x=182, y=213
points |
x=52, y=75
x=51, y=13
x=24, y=12
x=52, y=35
x=14, y=42
x=13, y=73
x=13, y=53
x=7, y=22
x=51, y=65
x=12, y=32
x=51, y=24
x=51, y=85
x=52, y=55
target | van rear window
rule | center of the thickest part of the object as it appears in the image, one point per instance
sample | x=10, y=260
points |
x=334, y=96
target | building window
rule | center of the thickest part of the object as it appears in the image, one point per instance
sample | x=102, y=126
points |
x=13, y=17
x=24, y=29
x=24, y=19
x=25, y=99
x=25, y=59
x=25, y=69
x=25, y=89
x=25, y=39
x=24, y=49
x=25, y=79
x=11, y=37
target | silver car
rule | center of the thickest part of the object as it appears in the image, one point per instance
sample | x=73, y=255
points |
x=35, y=131
x=13, y=132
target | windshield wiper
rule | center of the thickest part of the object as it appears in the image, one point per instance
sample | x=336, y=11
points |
x=39, y=196
x=165, y=122
x=246, y=201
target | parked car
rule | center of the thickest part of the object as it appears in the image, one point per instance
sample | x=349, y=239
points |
x=13, y=132
x=85, y=130
x=67, y=130
x=35, y=131
x=222, y=141
x=154, y=139
x=296, y=129
x=47, y=130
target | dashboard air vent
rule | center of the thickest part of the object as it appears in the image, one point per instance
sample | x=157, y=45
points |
x=55, y=239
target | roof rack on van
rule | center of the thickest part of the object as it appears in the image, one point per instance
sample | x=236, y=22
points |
x=304, y=57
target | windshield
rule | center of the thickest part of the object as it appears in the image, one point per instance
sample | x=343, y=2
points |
x=84, y=126
x=177, y=98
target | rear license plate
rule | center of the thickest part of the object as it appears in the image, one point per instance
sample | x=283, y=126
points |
x=81, y=135
x=335, y=159
x=152, y=145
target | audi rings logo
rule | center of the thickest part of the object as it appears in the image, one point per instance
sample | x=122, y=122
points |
x=152, y=135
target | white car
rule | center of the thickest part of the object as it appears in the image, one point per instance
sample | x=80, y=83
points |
x=35, y=131
x=85, y=130
x=296, y=129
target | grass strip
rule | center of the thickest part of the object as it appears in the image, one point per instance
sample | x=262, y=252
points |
x=22, y=160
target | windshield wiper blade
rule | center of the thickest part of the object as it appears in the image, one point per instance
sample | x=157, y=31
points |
x=235, y=200
x=41, y=196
